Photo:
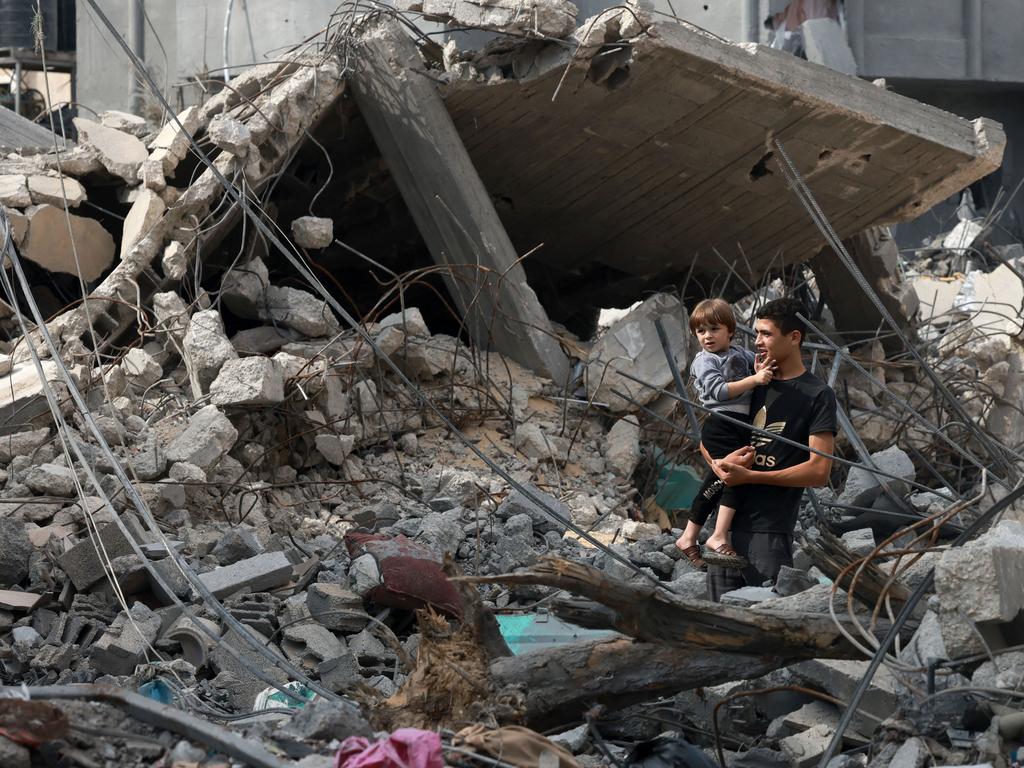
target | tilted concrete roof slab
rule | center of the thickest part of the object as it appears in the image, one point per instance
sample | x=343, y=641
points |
x=670, y=157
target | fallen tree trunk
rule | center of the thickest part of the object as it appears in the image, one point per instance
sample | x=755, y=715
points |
x=560, y=683
x=655, y=615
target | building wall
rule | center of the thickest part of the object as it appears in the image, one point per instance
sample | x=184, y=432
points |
x=192, y=34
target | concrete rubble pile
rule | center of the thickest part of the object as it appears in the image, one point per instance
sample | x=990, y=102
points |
x=251, y=518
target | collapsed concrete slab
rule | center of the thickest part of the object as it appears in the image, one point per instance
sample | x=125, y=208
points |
x=659, y=152
x=64, y=242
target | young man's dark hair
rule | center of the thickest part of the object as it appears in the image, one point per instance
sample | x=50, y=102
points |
x=783, y=312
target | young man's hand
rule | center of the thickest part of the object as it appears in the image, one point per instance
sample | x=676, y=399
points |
x=734, y=474
x=763, y=376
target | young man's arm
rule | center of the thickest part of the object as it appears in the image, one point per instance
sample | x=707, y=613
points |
x=810, y=474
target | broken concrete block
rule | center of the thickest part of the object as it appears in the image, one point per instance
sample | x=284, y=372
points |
x=237, y=544
x=244, y=287
x=912, y=753
x=151, y=174
x=862, y=487
x=411, y=322
x=530, y=439
x=825, y=43
x=82, y=564
x=48, y=190
x=207, y=438
x=230, y=135
x=631, y=344
x=172, y=143
x=124, y=122
x=120, y=153
x=171, y=317
x=300, y=310
x=248, y=381
x=806, y=748
x=14, y=191
x=257, y=574
x=124, y=645
x=548, y=18
x=310, y=644
x=313, y=231
x=141, y=370
x=206, y=348
x=340, y=673
x=840, y=678
x=981, y=581
x=49, y=243
x=622, y=446
x=336, y=608
x=143, y=217
x=992, y=293
x=860, y=542
x=16, y=548
x=325, y=720
x=22, y=443
x=51, y=479
x=19, y=225
x=335, y=448
x=516, y=503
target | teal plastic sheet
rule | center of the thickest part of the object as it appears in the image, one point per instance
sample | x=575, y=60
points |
x=535, y=631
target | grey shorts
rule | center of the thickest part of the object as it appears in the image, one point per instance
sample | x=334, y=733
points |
x=766, y=553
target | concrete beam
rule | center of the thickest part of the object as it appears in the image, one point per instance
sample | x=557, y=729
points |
x=448, y=201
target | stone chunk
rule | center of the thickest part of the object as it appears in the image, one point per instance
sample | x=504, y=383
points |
x=142, y=219
x=248, y=381
x=631, y=345
x=14, y=191
x=244, y=288
x=840, y=678
x=235, y=545
x=16, y=548
x=622, y=446
x=301, y=311
x=860, y=542
x=171, y=145
x=516, y=503
x=550, y=18
x=49, y=244
x=313, y=231
x=82, y=564
x=336, y=608
x=981, y=581
x=124, y=122
x=120, y=153
x=22, y=443
x=141, y=369
x=48, y=190
x=51, y=480
x=309, y=644
x=206, y=348
x=208, y=436
x=230, y=135
x=805, y=749
x=411, y=322
x=258, y=574
x=862, y=487
x=123, y=647
x=335, y=448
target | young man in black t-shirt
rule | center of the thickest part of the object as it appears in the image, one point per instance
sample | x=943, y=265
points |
x=770, y=476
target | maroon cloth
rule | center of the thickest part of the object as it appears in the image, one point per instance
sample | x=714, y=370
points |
x=410, y=573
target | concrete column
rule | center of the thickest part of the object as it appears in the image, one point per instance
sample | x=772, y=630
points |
x=751, y=22
x=973, y=37
x=137, y=40
x=855, y=32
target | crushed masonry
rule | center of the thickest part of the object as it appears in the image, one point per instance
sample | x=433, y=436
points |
x=312, y=447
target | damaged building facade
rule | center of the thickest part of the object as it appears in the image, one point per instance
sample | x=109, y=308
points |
x=314, y=451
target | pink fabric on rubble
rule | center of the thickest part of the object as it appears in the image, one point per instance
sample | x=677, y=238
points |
x=405, y=748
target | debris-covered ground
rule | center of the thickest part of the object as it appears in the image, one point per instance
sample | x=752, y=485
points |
x=255, y=510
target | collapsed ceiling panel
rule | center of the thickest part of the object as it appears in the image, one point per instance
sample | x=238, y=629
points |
x=644, y=156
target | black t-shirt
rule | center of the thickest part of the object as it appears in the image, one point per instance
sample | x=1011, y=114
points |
x=796, y=409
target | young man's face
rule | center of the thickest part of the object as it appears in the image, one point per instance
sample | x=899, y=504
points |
x=773, y=343
x=713, y=337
